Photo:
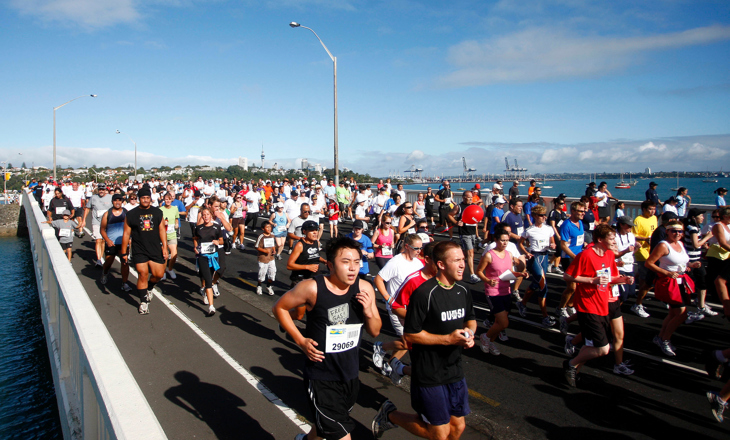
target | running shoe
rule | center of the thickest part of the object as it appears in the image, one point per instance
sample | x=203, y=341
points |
x=571, y=373
x=493, y=349
x=547, y=322
x=572, y=311
x=164, y=277
x=278, y=257
x=202, y=291
x=386, y=369
x=503, y=336
x=216, y=293
x=474, y=279
x=562, y=311
x=289, y=251
x=569, y=348
x=104, y=278
x=241, y=247
x=694, y=317
x=558, y=270
x=378, y=354
x=563, y=325
x=395, y=365
x=172, y=274
x=99, y=263
x=259, y=290
x=667, y=349
x=270, y=291
x=639, y=310
x=713, y=366
x=144, y=309
x=126, y=288
x=657, y=341
x=301, y=436
x=622, y=368
x=717, y=405
x=516, y=295
x=380, y=421
x=487, y=323
x=205, y=299
x=211, y=310
x=149, y=296
x=484, y=343
x=522, y=309
x=550, y=268
x=707, y=311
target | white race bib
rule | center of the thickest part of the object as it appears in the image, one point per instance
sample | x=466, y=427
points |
x=615, y=291
x=171, y=228
x=386, y=251
x=207, y=248
x=542, y=243
x=520, y=231
x=591, y=226
x=411, y=230
x=579, y=240
x=560, y=223
x=64, y=232
x=281, y=228
x=269, y=242
x=59, y=210
x=342, y=337
x=100, y=213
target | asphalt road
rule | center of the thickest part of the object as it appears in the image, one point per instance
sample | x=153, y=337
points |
x=519, y=394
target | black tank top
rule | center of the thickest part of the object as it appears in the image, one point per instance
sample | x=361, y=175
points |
x=309, y=255
x=331, y=309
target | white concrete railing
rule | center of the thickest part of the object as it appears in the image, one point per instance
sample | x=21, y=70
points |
x=97, y=395
x=633, y=207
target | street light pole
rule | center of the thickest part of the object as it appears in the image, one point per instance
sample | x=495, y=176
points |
x=135, y=154
x=294, y=24
x=5, y=187
x=54, y=130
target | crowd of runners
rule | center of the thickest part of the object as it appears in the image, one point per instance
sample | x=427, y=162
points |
x=605, y=257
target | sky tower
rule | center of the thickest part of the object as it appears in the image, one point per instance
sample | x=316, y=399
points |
x=262, y=156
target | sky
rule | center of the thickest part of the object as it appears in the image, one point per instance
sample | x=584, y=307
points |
x=559, y=85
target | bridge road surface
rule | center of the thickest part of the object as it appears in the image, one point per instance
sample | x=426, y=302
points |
x=518, y=395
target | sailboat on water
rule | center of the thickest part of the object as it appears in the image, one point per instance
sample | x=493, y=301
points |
x=623, y=184
x=543, y=183
x=677, y=188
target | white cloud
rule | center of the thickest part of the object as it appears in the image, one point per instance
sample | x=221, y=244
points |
x=416, y=155
x=543, y=53
x=86, y=13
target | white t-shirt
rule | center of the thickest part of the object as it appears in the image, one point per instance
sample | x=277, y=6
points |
x=604, y=202
x=75, y=196
x=511, y=248
x=291, y=208
x=623, y=242
x=539, y=238
x=669, y=208
x=253, y=198
x=193, y=214
x=396, y=271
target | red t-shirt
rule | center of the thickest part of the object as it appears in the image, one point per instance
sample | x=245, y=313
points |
x=591, y=298
x=410, y=284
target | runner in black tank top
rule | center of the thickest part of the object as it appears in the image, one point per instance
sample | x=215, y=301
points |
x=339, y=307
x=304, y=260
x=112, y=232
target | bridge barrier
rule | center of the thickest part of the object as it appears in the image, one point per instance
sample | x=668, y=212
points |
x=97, y=395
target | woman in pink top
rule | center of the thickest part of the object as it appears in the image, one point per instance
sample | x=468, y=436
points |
x=493, y=264
x=383, y=241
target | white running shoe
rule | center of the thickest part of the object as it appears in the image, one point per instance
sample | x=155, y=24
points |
x=380, y=422
x=216, y=293
x=558, y=270
x=547, y=322
x=259, y=290
x=667, y=349
x=516, y=295
x=622, y=368
x=693, y=317
x=474, y=279
x=563, y=325
x=562, y=311
x=484, y=343
x=378, y=355
x=211, y=310
x=493, y=349
x=395, y=377
x=164, y=277
x=144, y=309
x=503, y=336
x=99, y=263
x=572, y=311
x=707, y=311
x=172, y=274
x=149, y=296
x=639, y=310
x=270, y=291
x=205, y=299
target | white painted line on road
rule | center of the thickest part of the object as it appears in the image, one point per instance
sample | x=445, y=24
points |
x=253, y=381
x=628, y=350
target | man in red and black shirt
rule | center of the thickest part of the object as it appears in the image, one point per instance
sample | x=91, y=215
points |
x=593, y=271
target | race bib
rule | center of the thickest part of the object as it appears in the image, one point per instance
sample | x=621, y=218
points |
x=100, y=213
x=615, y=292
x=59, y=210
x=579, y=240
x=591, y=226
x=605, y=272
x=207, y=247
x=171, y=228
x=411, y=230
x=281, y=228
x=520, y=231
x=341, y=338
x=269, y=242
x=64, y=233
x=386, y=251
x=542, y=243
x=560, y=223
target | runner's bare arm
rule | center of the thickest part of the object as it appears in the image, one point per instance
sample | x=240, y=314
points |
x=366, y=297
x=303, y=294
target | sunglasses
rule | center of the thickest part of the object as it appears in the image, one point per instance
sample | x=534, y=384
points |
x=675, y=231
x=540, y=215
x=580, y=212
x=388, y=223
x=415, y=248
x=408, y=207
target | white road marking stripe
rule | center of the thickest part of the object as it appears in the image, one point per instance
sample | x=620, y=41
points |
x=260, y=387
x=628, y=350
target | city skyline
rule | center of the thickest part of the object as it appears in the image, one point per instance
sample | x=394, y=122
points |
x=558, y=85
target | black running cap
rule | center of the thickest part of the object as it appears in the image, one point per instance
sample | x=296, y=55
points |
x=145, y=191
x=117, y=197
x=310, y=225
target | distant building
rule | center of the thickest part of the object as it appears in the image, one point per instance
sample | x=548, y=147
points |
x=648, y=171
x=305, y=164
x=207, y=168
x=318, y=168
x=243, y=163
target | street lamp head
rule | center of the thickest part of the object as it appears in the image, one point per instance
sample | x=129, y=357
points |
x=294, y=24
x=94, y=96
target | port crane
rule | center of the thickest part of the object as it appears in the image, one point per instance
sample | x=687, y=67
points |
x=467, y=170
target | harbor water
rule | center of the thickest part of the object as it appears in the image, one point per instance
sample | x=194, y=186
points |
x=28, y=407
x=701, y=192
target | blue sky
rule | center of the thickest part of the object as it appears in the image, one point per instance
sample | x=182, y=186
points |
x=565, y=85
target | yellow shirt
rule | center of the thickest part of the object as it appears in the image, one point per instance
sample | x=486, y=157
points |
x=643, y=227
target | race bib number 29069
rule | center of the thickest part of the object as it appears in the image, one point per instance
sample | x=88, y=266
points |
x=342, y=337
